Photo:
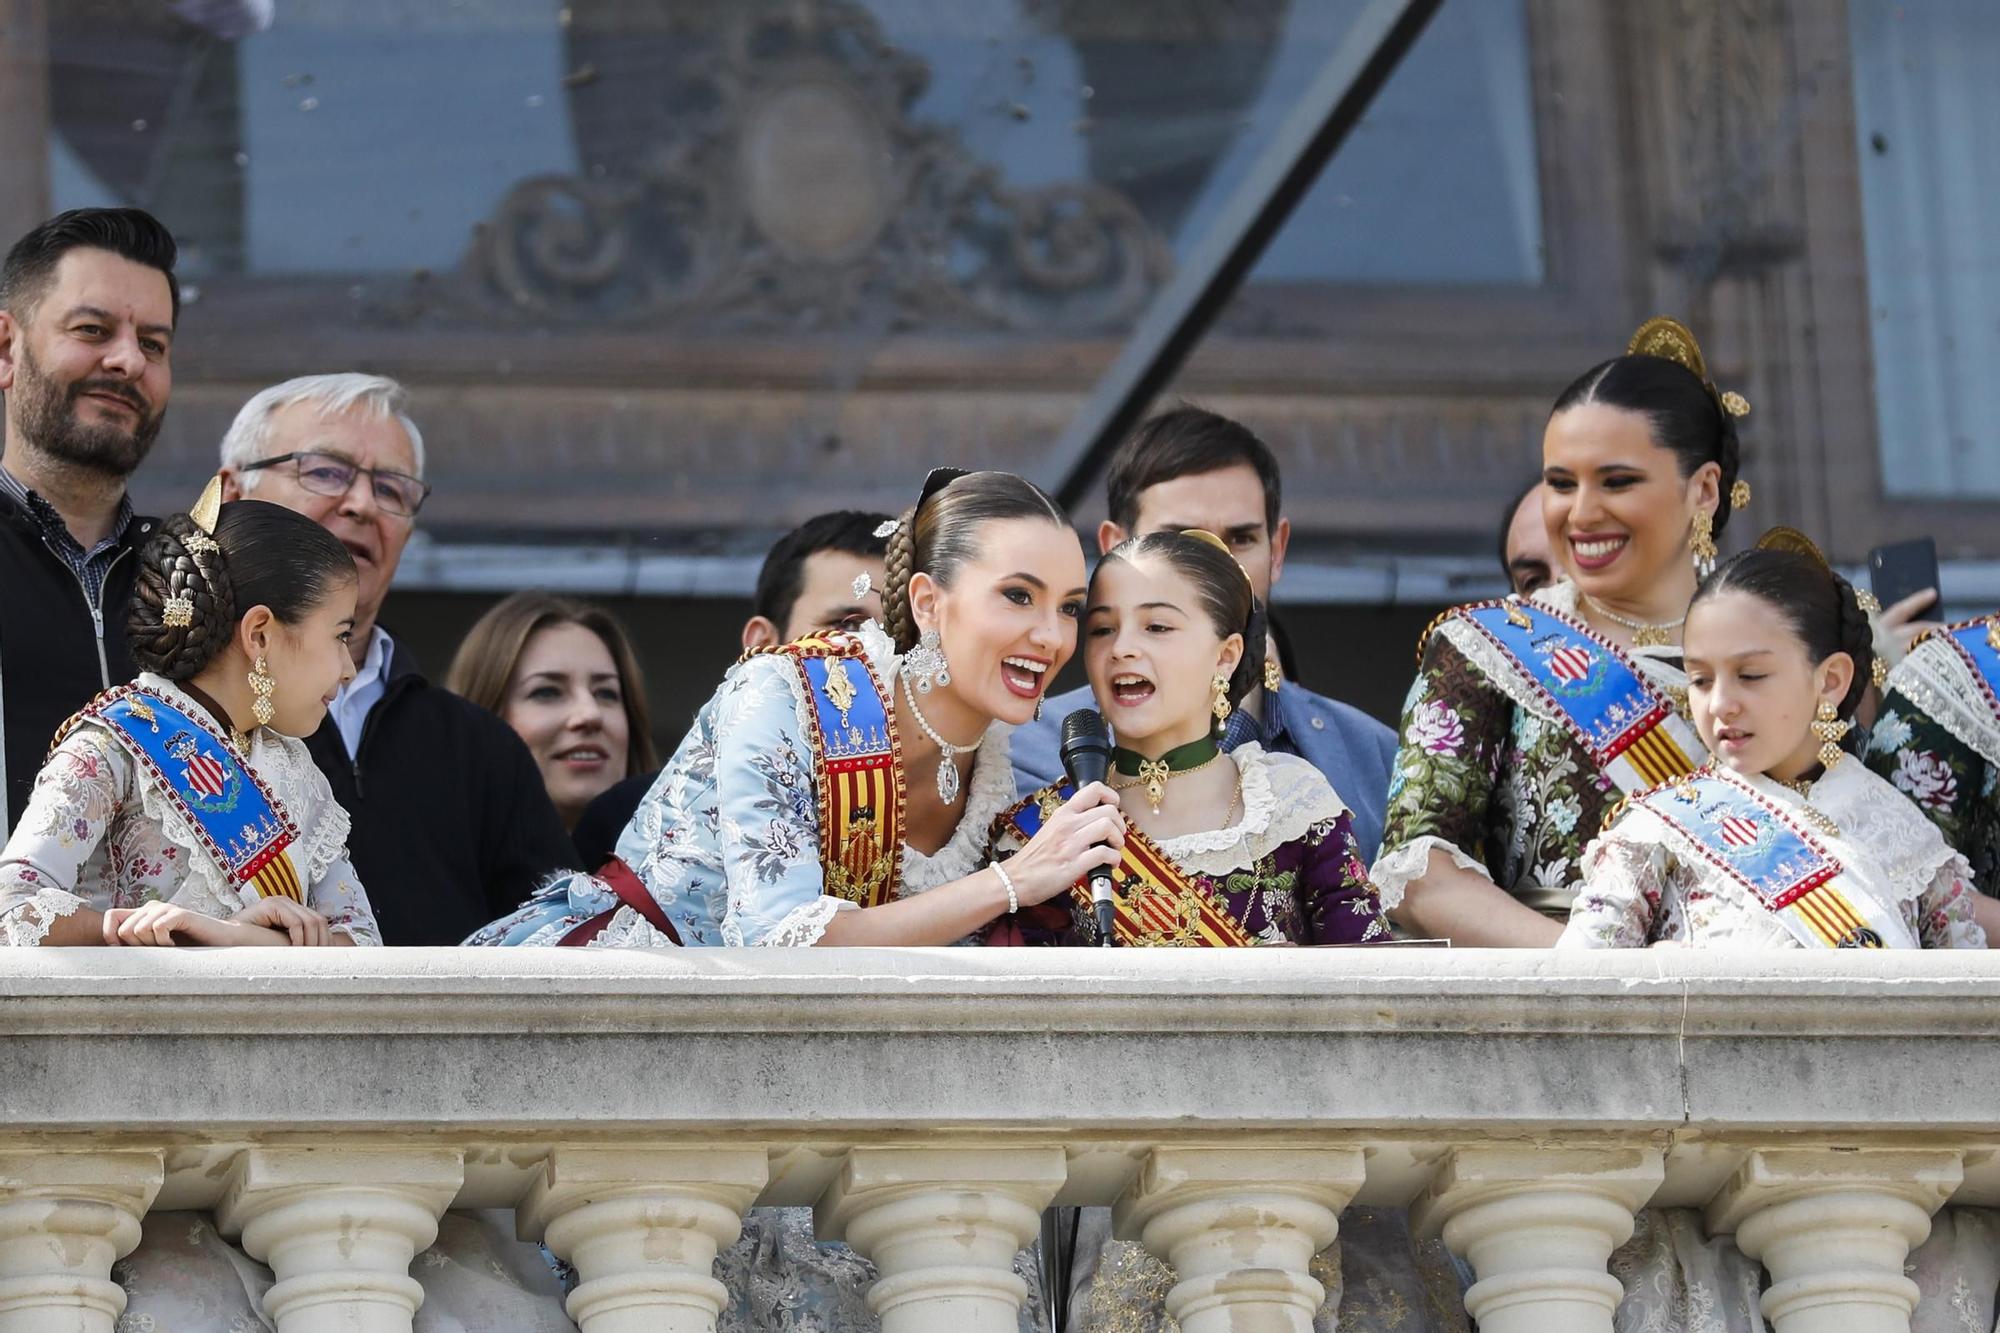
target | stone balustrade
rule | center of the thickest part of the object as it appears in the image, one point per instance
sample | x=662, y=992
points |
x=328, y=1106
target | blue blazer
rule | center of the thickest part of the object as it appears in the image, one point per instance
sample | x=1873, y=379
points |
x=1353, y=750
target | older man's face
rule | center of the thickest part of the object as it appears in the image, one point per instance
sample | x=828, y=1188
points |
x=372, y=535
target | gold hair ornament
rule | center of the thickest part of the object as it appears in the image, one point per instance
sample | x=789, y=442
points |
x=1671, y=340
x=1782, y=538
x=205, y=514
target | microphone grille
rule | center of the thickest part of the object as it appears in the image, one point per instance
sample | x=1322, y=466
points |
x=1085, y=725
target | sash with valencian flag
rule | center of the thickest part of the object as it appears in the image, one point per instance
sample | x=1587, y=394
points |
x=1156, y=905
x=1766, y=848
x=1629, y=727
x=858, y=766
x=237, y=819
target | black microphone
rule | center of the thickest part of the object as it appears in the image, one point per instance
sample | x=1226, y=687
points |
x=1086, y=758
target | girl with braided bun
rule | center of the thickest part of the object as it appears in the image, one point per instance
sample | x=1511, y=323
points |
x=1780, y=841
x=183, y=809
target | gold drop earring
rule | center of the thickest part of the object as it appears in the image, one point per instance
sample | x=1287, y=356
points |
x=261, y=685
x=1701, y=543
x=1828, y=726
x=1220, y=686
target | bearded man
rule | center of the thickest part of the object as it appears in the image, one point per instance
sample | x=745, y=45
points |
x=88, y=305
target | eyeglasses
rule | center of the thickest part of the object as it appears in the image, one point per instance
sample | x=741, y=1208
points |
x=330, y=474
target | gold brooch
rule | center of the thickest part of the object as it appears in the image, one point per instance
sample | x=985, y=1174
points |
x=1153, y=777
x=177, y=613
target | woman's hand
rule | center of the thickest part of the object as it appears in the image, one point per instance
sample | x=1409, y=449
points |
x=164, y=926
x=1901, y=618
x=1088, y=832
x=304, y=927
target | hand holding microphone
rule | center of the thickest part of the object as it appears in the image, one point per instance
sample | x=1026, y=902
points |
x=1087, y=835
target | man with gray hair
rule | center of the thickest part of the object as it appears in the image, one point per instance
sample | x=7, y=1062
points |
x=452, y=824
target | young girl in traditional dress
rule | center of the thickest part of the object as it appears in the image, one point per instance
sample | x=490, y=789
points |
x=183, y=808
x=1223, y=849
x=1781, y=841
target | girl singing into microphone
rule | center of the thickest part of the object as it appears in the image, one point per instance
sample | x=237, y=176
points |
x=1222, y=849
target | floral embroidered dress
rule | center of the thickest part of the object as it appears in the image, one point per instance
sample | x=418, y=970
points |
x=1937, y=741
x=728, y=839
x=101, y=833
x=1489, y=774
x=1288, y=871
x=1645, y=880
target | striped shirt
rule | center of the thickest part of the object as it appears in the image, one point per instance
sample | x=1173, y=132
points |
x=90, y=567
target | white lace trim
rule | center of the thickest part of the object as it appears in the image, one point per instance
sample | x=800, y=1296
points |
x=626, y=930
x=1274, y=813
x=1395, y=870
x=1885, y=843
x=805, y=924
x=28, y=922
x=1937, y=680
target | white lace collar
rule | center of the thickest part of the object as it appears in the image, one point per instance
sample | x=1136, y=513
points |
x=1283, y=797
x=989, y=794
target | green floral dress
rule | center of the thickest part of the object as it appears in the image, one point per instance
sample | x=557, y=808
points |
x=1488, y=774
x=1937, y=740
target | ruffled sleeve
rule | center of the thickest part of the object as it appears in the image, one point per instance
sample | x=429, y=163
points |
x=75, y=798
x=1945, y=919
x=1624, y=879
x=334, y=889
x=1453, y=730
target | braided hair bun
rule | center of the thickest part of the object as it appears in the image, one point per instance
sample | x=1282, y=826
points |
x=183, y=604
x=1857, y=640
x=194, y=587
x=939, y=535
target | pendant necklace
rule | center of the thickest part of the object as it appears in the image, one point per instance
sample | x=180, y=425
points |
x=1154, y=774
x=1644, y=633
x=947, y=773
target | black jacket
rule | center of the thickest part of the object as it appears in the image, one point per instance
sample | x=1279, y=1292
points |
x=603, y=821
x=55, y=653
x=452, y=825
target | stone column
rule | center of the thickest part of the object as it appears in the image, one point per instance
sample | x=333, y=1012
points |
x=943, y=1226
x=1538, y=1227
x=339, y=1228
x=1240, y=1227
x=1834, y=1229
x=65, y=1218
x=643, y=1228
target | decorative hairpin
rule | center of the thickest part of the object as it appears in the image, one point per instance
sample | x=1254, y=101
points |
x=888, y=527
x=1791, y=539
x=1739, y=496
x=862, y=585
x=1671, y=340
x=205, y=514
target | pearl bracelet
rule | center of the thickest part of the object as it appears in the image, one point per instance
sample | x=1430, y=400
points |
x=1007, y=883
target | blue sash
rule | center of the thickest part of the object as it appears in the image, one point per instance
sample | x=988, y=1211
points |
x=234, y=815
x=1759, y=844
x=1975, y=642
x=1613, y=711
x=859, y=769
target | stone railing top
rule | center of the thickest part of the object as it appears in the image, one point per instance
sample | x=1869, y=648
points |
x=1104, y=1051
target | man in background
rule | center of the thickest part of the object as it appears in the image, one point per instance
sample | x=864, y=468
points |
x=452, y=823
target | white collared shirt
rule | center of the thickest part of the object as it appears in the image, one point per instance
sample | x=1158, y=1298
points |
x=358, y=697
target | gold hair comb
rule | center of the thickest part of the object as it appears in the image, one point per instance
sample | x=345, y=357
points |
x=205, y=514
x=1671, y=340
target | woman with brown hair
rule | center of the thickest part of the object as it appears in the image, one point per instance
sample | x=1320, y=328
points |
x=563, y=675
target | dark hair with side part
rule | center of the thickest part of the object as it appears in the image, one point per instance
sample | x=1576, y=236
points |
x=484, y=666
x=269, y=556
x=1187, y=441
x=1682, y=413
x=1224, y=588
x=783, y=576
x=941, y=535
x=129, y=233
x=1820, y=606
